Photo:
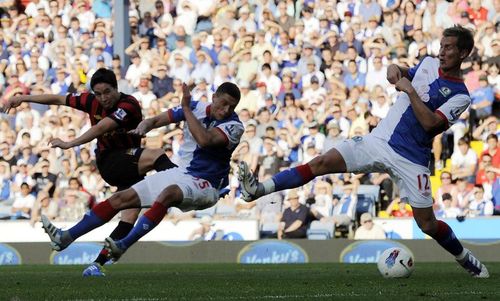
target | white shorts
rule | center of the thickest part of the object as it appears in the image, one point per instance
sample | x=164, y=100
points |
x=371, y=154
x=197, y=193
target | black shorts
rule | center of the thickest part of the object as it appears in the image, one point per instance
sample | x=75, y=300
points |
x=120, y=167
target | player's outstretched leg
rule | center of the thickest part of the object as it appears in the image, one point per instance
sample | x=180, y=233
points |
x=249, y=184
x=470, y=263
x=96, y=217
x=60, y=240
x=96, y=269
x=128, y=217
x=287, y=179
x=445, y=237
x=146, y=223
x=114, y=251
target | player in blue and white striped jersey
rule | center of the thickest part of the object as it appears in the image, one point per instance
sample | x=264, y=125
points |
x=433, y=97
x=212, y=132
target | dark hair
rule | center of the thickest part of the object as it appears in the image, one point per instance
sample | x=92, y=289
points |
x=229, y=89
x=465, y=38
x=463, y=140
x=104, y=75
x=266, y=66
x=492, y=136
x=289, y=95
x=446, y=196
x=75, y=179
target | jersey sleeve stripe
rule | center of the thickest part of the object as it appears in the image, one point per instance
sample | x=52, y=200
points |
x=444, y=117
x=170, y=115
x=70, y=100
x=225, y=135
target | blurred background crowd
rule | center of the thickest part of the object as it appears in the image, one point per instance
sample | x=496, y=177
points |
x=311, y=73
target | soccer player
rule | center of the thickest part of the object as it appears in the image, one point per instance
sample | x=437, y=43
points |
x=433, y=97
x=211, y=133
x=120, y=159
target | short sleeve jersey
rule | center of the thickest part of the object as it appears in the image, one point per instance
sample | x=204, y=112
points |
x=209, y=163
x=127, y=113
x=447, y=96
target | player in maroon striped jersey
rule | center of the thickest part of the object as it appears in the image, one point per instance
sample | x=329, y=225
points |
x=120, y=159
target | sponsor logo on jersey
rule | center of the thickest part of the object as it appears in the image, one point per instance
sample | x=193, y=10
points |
x=97, y=117
x=120, y=114
x=272, y=252
x=367, y=251
x=445, y=91
x=77, y=253
x=9, y=255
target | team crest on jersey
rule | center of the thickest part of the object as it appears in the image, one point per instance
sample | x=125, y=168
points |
x=445, y=91
x=120, y=114
x=357, y=138
x=97, y=117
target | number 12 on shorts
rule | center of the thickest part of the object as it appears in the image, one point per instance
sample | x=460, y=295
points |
x=423, y=182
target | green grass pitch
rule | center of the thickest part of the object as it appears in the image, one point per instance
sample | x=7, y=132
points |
x=430, y=281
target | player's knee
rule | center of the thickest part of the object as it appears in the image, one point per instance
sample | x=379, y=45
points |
x=331, y=162
x=170, y=196
x=429, y=227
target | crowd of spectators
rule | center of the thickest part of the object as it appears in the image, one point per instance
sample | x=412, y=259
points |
x=311, y=73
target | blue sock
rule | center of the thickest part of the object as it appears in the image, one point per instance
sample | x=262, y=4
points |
x=89, y=222
x=293, y=177
x=143, y=226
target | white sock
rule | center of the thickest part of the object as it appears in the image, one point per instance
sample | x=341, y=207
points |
x=268, y=186
x=461, y=255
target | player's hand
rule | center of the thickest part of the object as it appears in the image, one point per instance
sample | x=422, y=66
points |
x=393, y=74
x=144, y=126
x=12, y=102
x=186, y=96
x=56, y=142
x=404, y=85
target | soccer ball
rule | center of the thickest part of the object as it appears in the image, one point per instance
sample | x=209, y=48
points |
x=396, y=263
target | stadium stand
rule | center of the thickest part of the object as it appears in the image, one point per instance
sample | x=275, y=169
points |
x=311, y=74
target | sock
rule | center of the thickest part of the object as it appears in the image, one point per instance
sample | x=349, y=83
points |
x=290, y=178
x=447, y=239
x=163, y=163
x=97, y=216
x=146, y=223
x=119, y=232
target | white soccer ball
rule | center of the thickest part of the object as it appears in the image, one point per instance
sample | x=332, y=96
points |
x=396, y=263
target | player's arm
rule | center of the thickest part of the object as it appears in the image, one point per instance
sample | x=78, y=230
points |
x=204, y=137
x=395, y=73
x=152, y=123
x=103, y=126
x=48, y=99
x=430, y=121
